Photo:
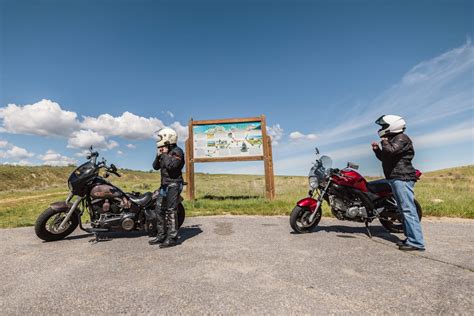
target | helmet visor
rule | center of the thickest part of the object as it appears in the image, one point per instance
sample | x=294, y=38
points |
x=384, y=125
x=381, y=121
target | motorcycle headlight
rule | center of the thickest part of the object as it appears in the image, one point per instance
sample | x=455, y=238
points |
x=313, y=182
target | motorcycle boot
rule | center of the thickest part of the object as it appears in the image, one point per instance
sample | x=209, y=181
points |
x=172, y=229
x=161, y=226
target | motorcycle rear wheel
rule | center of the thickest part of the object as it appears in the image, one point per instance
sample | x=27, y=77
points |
x=299, y=219
x=47, y=225
x=394, y=223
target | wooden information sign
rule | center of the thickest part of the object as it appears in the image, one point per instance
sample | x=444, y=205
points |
x=225, y=140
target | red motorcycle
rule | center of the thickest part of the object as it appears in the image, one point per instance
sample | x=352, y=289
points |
x=350, y=197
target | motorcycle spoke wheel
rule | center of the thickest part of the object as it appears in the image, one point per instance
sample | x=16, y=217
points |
x=304, y=219
x=53, y=223
x=300, y=219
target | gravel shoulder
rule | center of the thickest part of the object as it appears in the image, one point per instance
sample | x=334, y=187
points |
x=241, y=265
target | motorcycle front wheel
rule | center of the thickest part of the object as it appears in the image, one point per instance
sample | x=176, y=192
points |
x=299, y=219
x=393, y=220
x=47, y=225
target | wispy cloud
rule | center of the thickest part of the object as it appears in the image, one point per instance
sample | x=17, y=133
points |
x=433, y=93
x=433, y=89
x=458, y=133
x=168, y=113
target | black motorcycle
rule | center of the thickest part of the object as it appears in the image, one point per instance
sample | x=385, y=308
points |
x=110, y=209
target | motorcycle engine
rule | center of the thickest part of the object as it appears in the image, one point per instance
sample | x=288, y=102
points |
x=110, y=214
x=343, y=209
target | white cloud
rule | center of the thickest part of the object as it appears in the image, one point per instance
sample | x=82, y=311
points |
x=52, y=158
x=47, y=118
x=82, y=153
x=44, y=118
x=119, y=152
x=276, y=133
x=302, y=137
x=3, y=143
x=131, y=146
x=15, y=152
x=181, y=130
x=83, y=139
x=128, y=125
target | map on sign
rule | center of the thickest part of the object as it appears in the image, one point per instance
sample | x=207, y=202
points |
x=228, y=140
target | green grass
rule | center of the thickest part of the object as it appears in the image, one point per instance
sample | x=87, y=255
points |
x=26, y=191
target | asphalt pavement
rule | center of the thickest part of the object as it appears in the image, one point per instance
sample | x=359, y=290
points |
x=241, y=265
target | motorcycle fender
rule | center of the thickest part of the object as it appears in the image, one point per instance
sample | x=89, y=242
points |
x=60, y=206
x=309, y=203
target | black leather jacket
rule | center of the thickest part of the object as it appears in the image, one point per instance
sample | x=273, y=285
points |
x=170, y=165
x=396, y=155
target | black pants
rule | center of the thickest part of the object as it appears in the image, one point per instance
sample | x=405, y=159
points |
x=168, y=216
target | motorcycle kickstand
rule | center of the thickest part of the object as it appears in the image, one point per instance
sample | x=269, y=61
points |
x=368, y=229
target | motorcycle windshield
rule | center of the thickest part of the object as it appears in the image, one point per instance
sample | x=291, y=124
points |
x=326, y=162
x=321, y=167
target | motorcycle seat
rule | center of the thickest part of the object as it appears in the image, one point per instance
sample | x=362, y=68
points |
x=141, y=200
x=378, y=186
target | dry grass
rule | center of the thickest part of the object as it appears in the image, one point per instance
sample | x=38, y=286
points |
x=26, y=191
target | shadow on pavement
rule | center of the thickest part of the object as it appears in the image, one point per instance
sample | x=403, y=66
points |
x=185, y=233
x=351, y=231
x=188, y=232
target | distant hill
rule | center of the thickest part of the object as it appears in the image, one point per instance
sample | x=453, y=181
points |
x=40, y=177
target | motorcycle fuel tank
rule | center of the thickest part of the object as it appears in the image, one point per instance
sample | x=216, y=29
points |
x=105, y=191
x=351, y=178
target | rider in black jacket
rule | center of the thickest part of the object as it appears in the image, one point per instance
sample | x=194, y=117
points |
x=396, y=153
x=170, y=161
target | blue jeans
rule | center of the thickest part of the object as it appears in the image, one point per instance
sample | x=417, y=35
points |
x=405, y=197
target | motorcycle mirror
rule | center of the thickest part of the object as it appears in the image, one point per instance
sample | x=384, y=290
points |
x=352, y=165
x=316, y=150
x=112, y=166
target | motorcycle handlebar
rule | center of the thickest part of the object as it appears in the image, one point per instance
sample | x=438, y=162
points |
x=112, y=171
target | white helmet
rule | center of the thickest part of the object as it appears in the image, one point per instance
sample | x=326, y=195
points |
x=166, y=136
x=391, y=124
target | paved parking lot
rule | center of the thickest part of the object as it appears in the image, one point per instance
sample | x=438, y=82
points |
x=241, y=265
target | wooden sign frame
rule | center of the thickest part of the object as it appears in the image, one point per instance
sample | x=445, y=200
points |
x=267, y=156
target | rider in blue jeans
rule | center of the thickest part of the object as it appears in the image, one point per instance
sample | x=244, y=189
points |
x=396, y=153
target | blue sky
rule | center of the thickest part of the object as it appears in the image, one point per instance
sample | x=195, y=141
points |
x=109, y=73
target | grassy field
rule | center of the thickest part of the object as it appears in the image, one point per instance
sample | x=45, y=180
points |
x=26, y=191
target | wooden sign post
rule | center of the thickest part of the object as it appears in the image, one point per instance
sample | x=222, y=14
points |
x=225, y=140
